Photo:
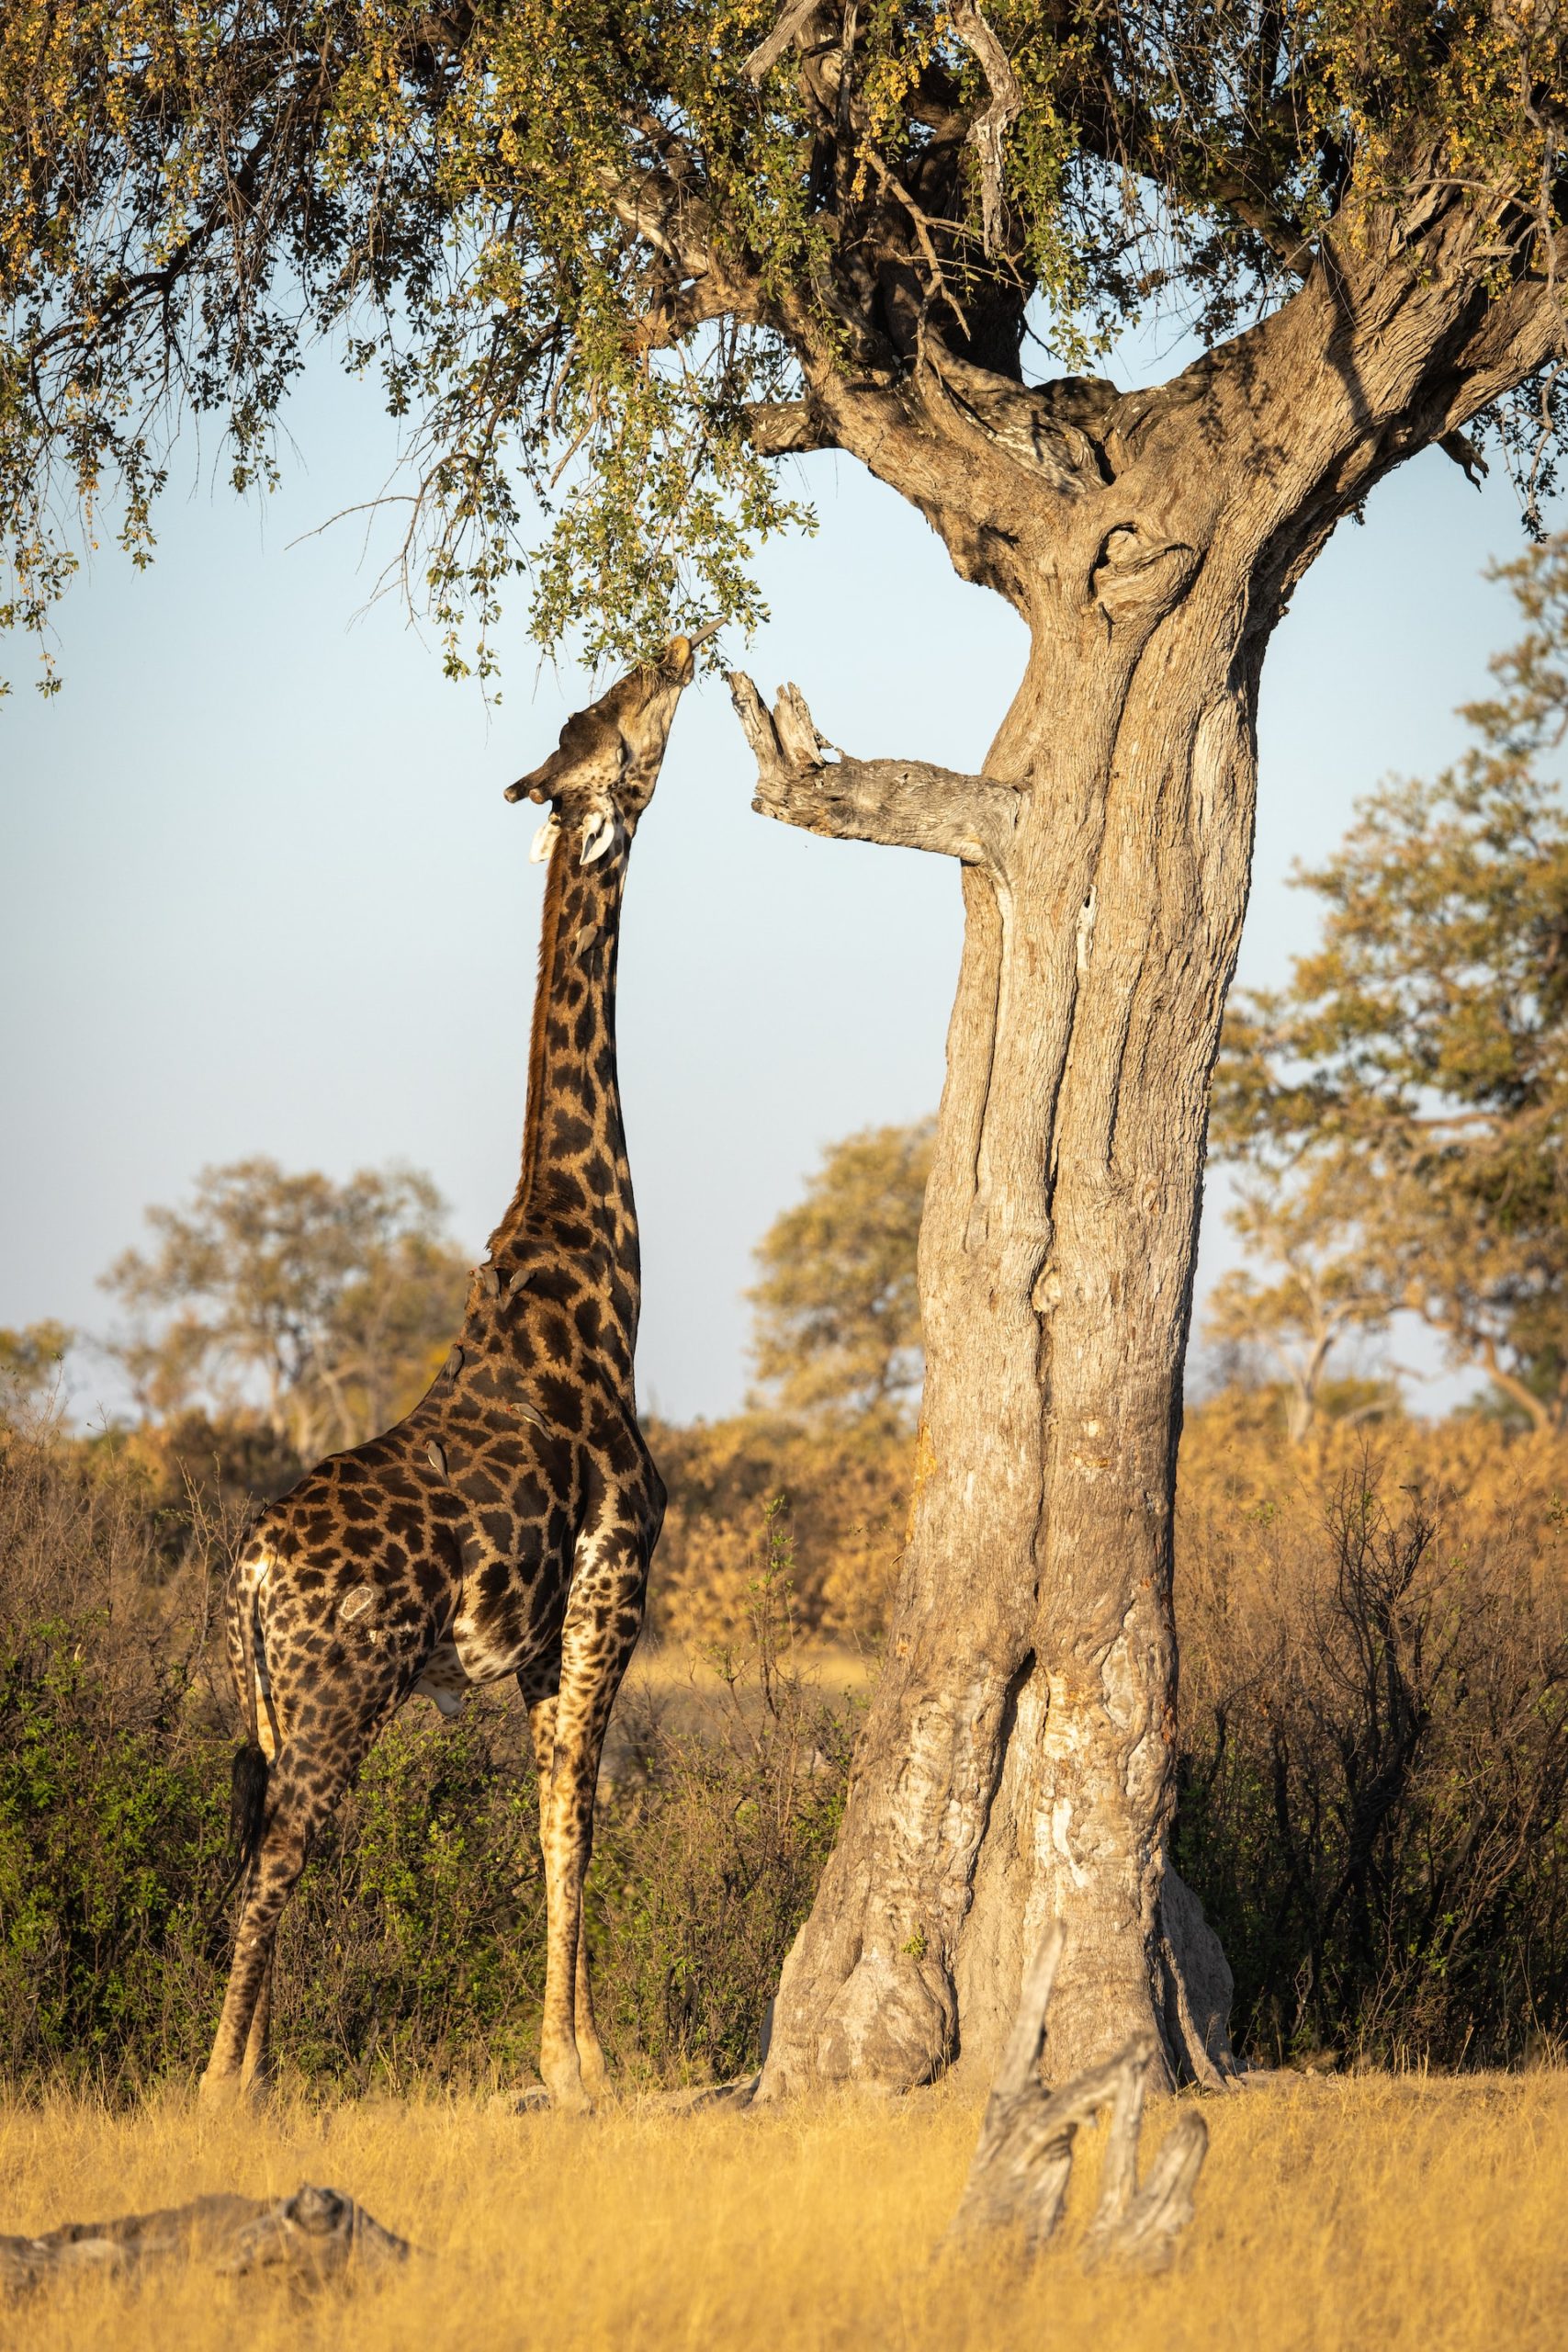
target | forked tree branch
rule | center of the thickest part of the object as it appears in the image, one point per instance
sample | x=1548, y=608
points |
x=1018, y=2180
x=905, y=804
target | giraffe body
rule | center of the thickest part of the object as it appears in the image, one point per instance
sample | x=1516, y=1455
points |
x=504, y=1526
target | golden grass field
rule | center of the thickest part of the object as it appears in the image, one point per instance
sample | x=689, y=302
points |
x=1370, y=2211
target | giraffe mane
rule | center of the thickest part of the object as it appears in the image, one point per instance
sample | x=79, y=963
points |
x=533, y=1113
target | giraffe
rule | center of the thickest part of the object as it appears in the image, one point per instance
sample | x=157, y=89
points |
x=505, y=1526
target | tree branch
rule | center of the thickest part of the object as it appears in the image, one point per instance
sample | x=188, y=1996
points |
x=792, y=21
x=787, y=428
x=989, y=130
x=905, y=804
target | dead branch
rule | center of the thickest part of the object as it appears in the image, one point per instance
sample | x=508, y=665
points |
x=1023, y=2158
x=989, y=128
x=906, y=804
x=793, y=20
x=787, y=428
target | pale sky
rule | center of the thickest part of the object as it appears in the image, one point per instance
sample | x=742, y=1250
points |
x=259, y=891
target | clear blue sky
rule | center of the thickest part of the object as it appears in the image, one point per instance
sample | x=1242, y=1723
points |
x=259, y=890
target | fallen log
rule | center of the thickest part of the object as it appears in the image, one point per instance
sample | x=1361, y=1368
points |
x=312, y=2237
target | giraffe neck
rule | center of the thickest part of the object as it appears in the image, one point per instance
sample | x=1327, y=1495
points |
x=574, y=1196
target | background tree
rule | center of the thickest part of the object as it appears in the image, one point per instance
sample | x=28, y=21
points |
x=622, y=259
x=1314, y=1293
x=837, y=1327
x=328, y=1305
x=1415, y=1070
x=31, y=1362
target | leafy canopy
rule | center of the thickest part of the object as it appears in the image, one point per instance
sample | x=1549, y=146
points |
x=591, y=252
x=1407, y=1094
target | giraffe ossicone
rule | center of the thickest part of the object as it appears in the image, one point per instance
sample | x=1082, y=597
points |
x=504, y=1526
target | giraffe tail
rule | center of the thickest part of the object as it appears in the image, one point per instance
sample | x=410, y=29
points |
x=250, y=1771
x=247, y=1805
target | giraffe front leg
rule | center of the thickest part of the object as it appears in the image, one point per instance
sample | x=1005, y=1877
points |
x=602, y=1620
x=589, y=2049
x=562, y=1841
x=595, y=2073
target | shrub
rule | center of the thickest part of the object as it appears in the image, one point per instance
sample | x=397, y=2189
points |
x=415, y=1942
x=1374, y=1776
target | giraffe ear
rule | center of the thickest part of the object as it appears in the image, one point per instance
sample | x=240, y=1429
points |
x=544, y=840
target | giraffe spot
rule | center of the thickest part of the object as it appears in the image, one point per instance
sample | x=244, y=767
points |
x=354, y=1604
x=572, y=1135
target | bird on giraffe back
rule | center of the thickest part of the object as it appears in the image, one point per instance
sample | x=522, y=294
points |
x=504, y=1526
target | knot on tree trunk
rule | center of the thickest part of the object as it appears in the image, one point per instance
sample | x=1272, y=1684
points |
x=891, y=2026
x=1023, y=2159
x=1138, y=578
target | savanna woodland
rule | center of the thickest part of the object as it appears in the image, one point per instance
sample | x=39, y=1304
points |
x=615, y=265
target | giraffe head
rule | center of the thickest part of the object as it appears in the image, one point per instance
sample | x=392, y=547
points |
x=600, y=777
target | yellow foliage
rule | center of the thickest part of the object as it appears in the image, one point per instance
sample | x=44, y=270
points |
x=844, y=1489
x=1484, y=1479
x=847, y=1493
x=1332, y=2216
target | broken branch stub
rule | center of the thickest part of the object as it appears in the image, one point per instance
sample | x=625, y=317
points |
x=1023, y=2158
x=906, y=804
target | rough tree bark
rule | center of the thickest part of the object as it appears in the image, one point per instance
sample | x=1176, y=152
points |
x=1018, y=1762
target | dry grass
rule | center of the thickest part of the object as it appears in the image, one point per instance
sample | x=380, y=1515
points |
x=1369, y=2211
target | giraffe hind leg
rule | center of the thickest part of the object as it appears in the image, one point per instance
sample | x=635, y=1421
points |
x=255, y=2070
x=303, y=1794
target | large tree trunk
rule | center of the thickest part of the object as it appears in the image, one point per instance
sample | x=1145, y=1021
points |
x=1017, y=1761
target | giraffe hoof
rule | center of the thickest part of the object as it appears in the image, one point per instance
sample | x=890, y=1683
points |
x=569, y=2095
x=595, y=2077
x=219, y=2092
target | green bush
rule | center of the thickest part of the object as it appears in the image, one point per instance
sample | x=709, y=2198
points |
x=111, y=1837
x=415, y=1942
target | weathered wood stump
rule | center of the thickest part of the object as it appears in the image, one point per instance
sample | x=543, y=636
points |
x=1023, y=2158
x=311, y=2237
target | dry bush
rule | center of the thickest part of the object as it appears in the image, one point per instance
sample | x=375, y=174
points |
x=1375, y=1774
x=1374, y=1799
x=844, y=1492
